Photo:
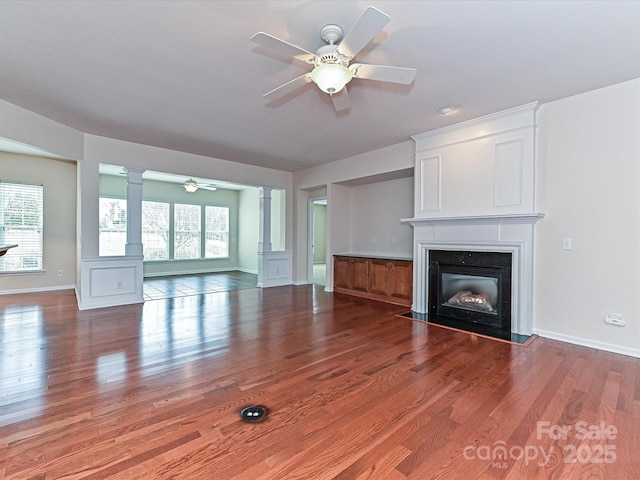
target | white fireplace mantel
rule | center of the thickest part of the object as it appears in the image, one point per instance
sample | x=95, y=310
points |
x=478, y=219
x=511, y=233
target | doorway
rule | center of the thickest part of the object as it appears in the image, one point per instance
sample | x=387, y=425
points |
x=317, y=265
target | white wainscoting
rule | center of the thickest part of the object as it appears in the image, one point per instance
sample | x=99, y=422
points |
x=110, y=281
x=484, y=166
x=275, y=268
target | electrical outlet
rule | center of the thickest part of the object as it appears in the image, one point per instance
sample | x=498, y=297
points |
x=59, y=273
x=566, y=244
x=119, y=284
x=373, y=240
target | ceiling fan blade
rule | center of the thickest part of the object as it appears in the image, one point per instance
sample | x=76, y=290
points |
x=364, y=30
x=288, y=87
x=383, y=73
x=287, y=48
x=341, y=100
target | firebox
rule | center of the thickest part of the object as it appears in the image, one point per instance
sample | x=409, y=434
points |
x=473, y=287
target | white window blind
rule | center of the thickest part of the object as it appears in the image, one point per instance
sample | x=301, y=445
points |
x=186, y=231
x=155, y=230
x=216, y=232
x=113, y=226
x=21, y=223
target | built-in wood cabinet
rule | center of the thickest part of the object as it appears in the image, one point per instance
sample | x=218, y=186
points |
x=388, y=280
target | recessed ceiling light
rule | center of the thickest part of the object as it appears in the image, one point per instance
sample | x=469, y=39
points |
x=446, y=110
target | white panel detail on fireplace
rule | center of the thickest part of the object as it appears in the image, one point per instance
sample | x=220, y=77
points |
x=429, y=193
x=508, y=173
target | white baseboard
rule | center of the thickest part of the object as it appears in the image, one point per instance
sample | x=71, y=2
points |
x=40, y=289
x=198, y=272
x=245, y=270
x=585, y=342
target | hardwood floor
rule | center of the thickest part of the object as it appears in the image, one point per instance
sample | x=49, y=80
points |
x=154, y=391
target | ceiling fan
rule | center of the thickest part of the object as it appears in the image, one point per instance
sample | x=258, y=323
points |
x=191, y=186
x=331, y=71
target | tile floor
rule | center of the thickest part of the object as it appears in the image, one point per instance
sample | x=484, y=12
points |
x=156, y=288
x=320, y=274
x=183, y=285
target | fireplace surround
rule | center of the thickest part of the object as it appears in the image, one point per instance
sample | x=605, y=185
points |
x=509, y=234
x=472, y=287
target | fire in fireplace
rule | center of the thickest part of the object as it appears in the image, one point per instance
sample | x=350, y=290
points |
x=471, y=287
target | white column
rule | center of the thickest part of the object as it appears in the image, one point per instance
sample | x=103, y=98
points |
x=88, y=191
x=109, y=280
x=134, y=211
x=274, y=268
x=264, y=234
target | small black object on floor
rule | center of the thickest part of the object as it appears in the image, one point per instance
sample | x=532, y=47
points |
x=485, y=330
x=253, y=413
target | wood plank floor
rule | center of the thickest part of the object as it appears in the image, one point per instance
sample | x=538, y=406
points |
x=154, y=391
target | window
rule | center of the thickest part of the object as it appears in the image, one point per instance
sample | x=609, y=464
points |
x=196, y=232
x=113, y=226
x=21, y=221
x=186, y=231
x=155, y=230
x=216, y=232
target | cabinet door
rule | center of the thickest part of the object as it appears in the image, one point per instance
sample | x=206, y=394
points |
x=360, y=274
x=401, y=280
x=379, y=277
x=342, y=272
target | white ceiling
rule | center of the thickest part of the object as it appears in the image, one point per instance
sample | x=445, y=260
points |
x=183, y=75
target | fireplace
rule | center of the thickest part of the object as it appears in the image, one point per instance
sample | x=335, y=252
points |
x=471, y=286
x=511, y=235
x=475, y=191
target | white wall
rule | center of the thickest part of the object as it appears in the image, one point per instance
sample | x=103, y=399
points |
x=58, y=178
x=376, y=162
x=248, y=234
x=31, y=129
x=588, y=153
x=484, y=166
x=278, y=231
x=383, y=164
x=319, y=233
x=339, y=228
x=376, y=210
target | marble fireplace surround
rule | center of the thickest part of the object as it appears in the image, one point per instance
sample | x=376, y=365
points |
x=512, y=233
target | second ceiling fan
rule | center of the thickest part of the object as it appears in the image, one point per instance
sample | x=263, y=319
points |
x=332, y=69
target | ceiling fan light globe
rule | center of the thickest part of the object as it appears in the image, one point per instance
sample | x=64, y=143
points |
x=331, y=77
x=190, y=185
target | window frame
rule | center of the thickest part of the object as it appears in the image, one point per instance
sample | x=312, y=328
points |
x=120, y=199
x=227, y=232
x=23, y=188
x=169, y=231
x=188, y=233
x=172, y=230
